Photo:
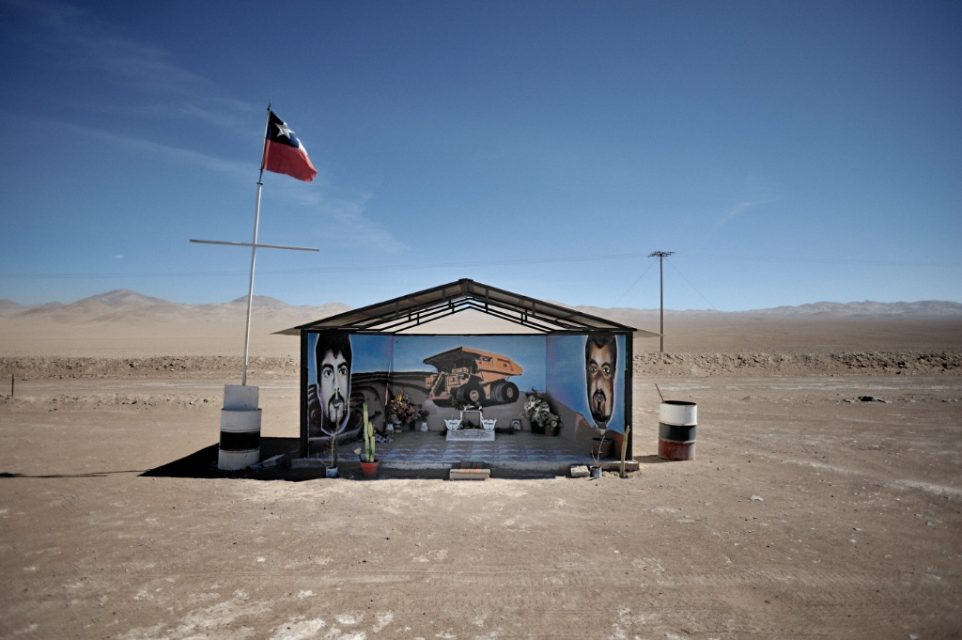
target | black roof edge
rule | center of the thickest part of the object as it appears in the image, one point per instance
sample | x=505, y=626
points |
x=469, y=287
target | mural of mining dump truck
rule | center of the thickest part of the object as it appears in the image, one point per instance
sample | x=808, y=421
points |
x=471, y=376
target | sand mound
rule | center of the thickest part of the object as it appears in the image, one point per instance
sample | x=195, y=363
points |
x=879, y=362
x=212, y=367
x=645, y=364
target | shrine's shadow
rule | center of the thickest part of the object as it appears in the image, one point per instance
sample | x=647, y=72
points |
x=203, y=463
x=276, y=455
x=410, y=455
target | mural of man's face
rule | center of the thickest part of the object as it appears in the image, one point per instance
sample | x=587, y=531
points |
x=335, y=382
x=600, y=358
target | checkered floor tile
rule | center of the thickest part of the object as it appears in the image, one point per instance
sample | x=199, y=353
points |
x=507, y=449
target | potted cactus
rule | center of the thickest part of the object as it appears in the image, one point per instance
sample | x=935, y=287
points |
x=370, y=465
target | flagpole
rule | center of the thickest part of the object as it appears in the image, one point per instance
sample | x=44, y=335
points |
x=257, y=221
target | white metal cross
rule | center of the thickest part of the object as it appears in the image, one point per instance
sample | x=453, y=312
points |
x=254, y=245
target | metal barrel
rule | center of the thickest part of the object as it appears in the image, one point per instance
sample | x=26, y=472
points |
x=240, y=428
x=677, y=424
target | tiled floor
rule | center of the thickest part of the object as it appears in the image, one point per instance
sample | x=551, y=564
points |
x=416, y=450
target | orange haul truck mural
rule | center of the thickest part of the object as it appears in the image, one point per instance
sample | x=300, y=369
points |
x=471, y=376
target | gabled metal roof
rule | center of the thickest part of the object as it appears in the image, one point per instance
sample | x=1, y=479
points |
x=419, y=308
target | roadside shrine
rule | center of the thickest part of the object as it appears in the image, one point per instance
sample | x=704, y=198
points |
x=536, y=391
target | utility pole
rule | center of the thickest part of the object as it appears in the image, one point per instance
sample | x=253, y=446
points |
x=661, y=255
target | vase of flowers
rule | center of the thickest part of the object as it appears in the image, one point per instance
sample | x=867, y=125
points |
x=401, y=411
x=539, y=414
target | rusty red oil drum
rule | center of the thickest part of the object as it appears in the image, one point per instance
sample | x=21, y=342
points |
x=677, y=424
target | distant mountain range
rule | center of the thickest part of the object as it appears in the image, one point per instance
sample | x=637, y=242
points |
x=870, y=308
x=125, y=303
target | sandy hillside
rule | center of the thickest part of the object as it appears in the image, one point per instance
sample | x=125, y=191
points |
x=126, y=324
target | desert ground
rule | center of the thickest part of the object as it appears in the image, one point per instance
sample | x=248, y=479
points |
x=825, y=500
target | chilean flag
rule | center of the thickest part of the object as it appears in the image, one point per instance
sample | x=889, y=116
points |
x=284, y=153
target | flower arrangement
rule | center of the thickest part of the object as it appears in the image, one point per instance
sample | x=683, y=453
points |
x=538, y=412
x=401, y=410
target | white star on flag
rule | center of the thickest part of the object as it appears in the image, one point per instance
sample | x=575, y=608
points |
x=284, y=130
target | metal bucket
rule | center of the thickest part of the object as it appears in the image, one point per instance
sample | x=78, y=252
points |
x=677, y=423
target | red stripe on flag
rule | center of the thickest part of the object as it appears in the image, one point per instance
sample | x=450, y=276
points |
x=291, y=161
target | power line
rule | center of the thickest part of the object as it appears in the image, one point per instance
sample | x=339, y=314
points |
x=709, y=303
x=21, y=275
x=631, y=286
x=328, y=269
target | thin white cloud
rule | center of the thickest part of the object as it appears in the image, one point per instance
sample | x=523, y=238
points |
x=346, y=218
x=143, y=66
x=80, y=38
x=739, y=209
x=84, y=39
x=75, y=34
x=201, y=160
x=759, y=193
x=348, y=221
x=220, y=112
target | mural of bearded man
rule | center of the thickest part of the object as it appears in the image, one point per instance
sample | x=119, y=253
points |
x=328, y=401
x=601, y=356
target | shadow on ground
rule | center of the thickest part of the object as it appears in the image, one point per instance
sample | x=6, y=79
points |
x=203, y=463
x=276, y=456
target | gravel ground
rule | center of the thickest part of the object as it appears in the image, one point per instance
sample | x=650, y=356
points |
x=808, y=512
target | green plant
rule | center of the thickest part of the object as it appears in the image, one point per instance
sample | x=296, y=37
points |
x=370, y=443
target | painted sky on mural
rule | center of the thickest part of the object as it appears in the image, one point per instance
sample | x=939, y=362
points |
x=788, y=152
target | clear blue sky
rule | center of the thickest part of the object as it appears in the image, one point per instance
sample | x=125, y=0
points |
x=789, y=152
